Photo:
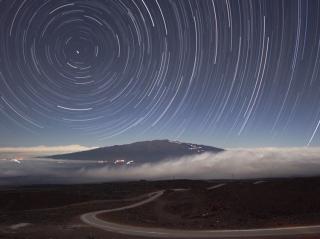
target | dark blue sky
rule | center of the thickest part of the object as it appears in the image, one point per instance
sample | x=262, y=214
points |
x=101, y=72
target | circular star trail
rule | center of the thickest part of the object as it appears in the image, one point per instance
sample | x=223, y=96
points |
x=220, y=72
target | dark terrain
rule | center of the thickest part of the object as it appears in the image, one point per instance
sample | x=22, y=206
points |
x=140, y=152
x=53, y=211
x=236, y=205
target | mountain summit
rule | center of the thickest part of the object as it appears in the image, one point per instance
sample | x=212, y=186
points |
x=140, y=152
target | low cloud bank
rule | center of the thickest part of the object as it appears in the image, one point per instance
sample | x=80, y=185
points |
x=44, y=149
x=231, y=164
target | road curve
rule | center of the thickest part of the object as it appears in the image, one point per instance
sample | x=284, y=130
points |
x=91, y=219
x=216, y=186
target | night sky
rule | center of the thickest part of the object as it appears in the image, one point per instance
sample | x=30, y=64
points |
x=233, y=73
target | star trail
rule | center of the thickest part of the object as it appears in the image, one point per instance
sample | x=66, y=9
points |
x=229, y=73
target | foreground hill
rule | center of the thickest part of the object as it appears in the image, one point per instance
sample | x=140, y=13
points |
x=51, y=211
x=235, y=204
x=141, y=152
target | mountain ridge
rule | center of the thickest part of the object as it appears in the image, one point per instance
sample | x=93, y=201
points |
x=141, y=152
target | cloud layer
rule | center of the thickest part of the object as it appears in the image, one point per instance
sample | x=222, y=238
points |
x=44, y=149
x=231, y=164
x=237, y=164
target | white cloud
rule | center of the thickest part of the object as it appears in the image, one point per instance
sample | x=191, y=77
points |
x=44, y=149
x=231, y=164
x=238, y=163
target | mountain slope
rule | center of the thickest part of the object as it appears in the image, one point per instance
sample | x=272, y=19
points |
x=141, y=152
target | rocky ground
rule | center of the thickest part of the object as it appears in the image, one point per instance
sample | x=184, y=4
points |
x=53, y=211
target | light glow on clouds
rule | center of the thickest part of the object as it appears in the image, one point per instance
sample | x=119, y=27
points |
x=231, y=164
x=44, y=149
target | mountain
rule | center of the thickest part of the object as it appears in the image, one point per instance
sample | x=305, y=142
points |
x=139, y=152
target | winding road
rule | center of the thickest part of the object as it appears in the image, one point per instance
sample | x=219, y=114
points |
x=91, y=219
